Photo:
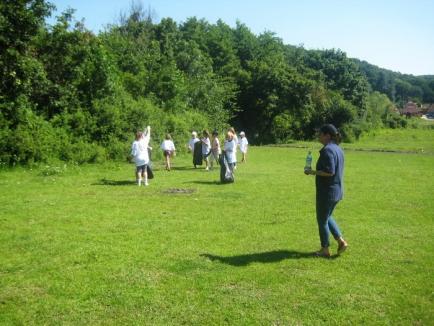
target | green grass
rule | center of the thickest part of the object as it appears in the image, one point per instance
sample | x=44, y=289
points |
x=83, y=245
x=392, y=140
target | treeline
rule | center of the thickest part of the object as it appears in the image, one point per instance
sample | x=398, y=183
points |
x=400, y=88
x=66, y=93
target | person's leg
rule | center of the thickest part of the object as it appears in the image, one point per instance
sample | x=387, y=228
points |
x=323, y=229
x=206, y=159
x=168, y=162
x=333, y=226
x=211, y=161
x=335, y=231
x=139, y=176
x=145, y=176
x=231, y=167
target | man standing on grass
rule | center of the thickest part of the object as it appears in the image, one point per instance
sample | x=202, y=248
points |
x=329, y=188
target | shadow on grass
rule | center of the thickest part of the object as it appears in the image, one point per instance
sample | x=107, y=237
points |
x=105, y=182
x=206, y=182
x=185, y=168
x=263, y=257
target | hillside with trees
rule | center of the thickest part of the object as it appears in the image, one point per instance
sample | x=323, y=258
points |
x=68, y=94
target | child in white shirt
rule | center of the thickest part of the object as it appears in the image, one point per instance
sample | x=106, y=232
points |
x=235, y=138
x=243, y=143
x=139, y=151
x=206, y=148
x=169, y=149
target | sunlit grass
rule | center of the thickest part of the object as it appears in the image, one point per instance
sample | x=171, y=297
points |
x=84, y=245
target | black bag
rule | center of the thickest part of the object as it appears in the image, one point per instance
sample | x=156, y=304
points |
x=197, y=154
x=226, y=174
x=149, y=171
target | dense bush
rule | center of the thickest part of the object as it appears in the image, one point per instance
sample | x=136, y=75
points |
x=66, y=93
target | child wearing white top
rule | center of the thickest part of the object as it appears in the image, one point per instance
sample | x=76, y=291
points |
x=215, y=149
x=243, y=143
x=235, y=138
x=206, y=148
x=169, y=150
x=139, y=151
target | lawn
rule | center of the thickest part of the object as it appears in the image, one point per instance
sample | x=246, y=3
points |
x=84, y=245
x=387, y=140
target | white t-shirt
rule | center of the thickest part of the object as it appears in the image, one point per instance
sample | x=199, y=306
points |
x=167, y=145
x=206, y=146
x=139, y=151
x=243, y=144
x=230, y=151
x=192, y=142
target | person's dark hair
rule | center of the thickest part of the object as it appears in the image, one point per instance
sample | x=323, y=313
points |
x=215, y=133
x=206, y=133
x=139, y=135
x=331, y=130
x=168, y=137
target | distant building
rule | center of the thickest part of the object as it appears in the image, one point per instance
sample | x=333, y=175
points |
x=427, y=108
x=428, y=111
x=411, y=109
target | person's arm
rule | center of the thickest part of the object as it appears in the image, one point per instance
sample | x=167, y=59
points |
x=318, y=173
x=326, y=164
x=133, y=150
x=147, y=134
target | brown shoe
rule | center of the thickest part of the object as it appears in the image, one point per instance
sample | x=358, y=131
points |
x=343, y=245
x=323, y=253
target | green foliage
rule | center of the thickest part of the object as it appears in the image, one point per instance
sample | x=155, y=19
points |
x=33, y=139
x=83, y=152
x=63, y=88
x=400, y=88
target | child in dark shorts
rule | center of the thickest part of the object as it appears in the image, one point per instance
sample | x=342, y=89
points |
x=168, y=148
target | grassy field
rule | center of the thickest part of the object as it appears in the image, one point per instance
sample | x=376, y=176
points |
x=84, y=245
x=388, y=140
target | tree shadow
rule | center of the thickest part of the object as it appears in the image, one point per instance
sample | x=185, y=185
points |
x=105, y=182
x=263, y=257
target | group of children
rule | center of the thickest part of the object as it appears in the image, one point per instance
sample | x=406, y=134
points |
x=209, y=150
x=204, y=149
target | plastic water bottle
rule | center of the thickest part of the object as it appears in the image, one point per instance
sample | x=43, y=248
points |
x=308, y=165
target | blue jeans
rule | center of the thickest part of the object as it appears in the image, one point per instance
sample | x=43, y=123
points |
x=326, y=223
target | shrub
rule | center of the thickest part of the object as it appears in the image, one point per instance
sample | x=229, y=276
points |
x=82, y=152
x=32, y=140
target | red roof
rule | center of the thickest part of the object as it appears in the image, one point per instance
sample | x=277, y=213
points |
x=411, y=108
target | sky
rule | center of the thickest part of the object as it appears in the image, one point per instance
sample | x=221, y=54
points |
x=392, y=34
